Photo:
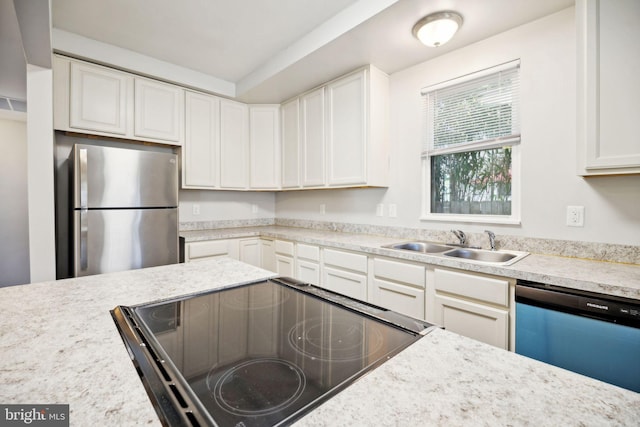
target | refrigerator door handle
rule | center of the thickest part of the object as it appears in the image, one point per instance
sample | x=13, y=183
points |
x=84, y=232
x=83, y=178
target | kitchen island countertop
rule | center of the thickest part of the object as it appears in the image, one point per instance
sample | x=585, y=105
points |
x=59, y=344
x=608, y=278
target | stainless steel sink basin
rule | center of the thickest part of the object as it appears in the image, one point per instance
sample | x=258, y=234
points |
x=494, y=257
x=424, y=247
x=470, y=254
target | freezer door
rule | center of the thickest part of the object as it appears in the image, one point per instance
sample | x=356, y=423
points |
x=107, y=177
x=116, y=240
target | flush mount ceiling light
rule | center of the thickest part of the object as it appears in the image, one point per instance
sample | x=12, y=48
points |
x=436, y=29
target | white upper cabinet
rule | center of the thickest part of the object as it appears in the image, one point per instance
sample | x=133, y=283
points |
x=341, y=132
x=201, y=150
x=98, y=99
x=264, y=144
x=312, y=139
x=158, y=110
x=290, y=165
x=234, y=144
x=608, y=87
x=347, y=131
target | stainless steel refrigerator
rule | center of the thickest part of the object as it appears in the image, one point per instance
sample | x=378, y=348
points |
x=125, y=209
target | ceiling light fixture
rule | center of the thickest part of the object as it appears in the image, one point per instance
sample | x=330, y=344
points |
x=438, y=28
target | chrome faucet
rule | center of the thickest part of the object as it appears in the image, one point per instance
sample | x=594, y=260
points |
x=492, y=239
x=461, y=236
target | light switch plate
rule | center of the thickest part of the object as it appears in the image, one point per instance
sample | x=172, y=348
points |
x=393, y=210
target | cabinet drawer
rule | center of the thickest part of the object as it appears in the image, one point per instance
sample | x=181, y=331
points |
x=284, y=247
x=209, y=248
x=308, y=252
x=481, y=288
x=346, y=283
x=348, y=260
x=308, y=272
x=480, y=322
x=399, y=272
x=403, y=299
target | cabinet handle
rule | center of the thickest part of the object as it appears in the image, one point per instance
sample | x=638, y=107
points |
x=83, y=178
x=84, y=232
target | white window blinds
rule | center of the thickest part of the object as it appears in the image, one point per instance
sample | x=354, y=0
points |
x=474, y=112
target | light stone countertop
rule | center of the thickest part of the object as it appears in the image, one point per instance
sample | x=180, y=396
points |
x=596, y=276
x=59, y=344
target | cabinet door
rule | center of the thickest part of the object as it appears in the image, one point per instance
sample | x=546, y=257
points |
x=480, y=322
x=347, y=283
x=98, y=99
x=234, y=144
x=398, y=297
x=308, y=271
x=284, y=265
x=264, y=143
x=608, y=88
x=268, y=255
x=346, y=138
x=158, y=110
x=290, y=144
x=250, y=251
x=200, y=154
x=312, y=138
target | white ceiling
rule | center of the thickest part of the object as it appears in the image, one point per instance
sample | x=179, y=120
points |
x=227, y=39
x=270, y=50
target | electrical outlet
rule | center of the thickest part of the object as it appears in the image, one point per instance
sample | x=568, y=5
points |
x=323, y=209
x=393, y=211
x=575, y=216
x=254, y=208
x=196, y=209
x=380, y=209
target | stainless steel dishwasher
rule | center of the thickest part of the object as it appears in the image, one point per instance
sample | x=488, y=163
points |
x=592, y=334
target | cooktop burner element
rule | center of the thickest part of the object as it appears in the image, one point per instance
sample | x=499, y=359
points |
x=257, y=387
x=257, y=354
x=340, y=339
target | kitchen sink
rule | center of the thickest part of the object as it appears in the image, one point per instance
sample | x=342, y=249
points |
x=424, y=247
x=493, y=257
x=468, y=254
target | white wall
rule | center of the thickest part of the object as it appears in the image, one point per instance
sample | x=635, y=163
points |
x=225, y=205
x=42, y=245
x=14, y=226
x=547, y=50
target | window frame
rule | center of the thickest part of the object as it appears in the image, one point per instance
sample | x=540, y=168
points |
x=428, y=152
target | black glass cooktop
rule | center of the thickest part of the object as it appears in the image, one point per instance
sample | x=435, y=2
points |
x=258, y=354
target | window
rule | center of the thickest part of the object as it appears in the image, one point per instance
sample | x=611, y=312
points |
x=470, y=154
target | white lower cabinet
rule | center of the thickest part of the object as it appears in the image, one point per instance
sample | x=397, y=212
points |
x=284, y=254
x=268, y=254
x=251, y=251
x=399, y=286
x=345, y=273
x=473, y=305
x=308, y=263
